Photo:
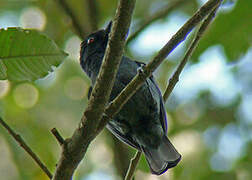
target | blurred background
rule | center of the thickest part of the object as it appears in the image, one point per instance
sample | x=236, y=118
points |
x=209, y=111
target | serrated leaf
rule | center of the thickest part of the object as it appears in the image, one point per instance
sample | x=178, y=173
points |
x=232, y=30
x=27, y=54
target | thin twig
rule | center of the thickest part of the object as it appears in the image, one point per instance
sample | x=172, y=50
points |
x=156, y=16
x=57, y=135
x=132, y=167
x=92, y=13
x=22, y=143
x=175, y=77
x=76, y=25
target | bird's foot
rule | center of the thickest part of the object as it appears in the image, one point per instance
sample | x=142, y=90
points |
x=140, y=70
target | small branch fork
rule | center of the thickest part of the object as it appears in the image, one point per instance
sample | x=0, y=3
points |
x=22, y=143
x=175, y=77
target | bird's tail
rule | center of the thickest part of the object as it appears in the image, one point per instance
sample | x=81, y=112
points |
x=162, y=158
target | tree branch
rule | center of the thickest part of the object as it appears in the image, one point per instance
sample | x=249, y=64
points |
x=175, y=77
x=22, y=143
x=76, y=25
x=132, y=167
x=92, y=14
x=156, y=16
x=57, y=135
x=116, y=105
x=75, y=148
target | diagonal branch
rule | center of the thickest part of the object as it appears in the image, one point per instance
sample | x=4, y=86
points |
x=81, y=31
x=175, y=77
x=75, y=148
x=132, y=167
x=22, y=143
x=156, y=16
x=116, y=105
x=57, y=135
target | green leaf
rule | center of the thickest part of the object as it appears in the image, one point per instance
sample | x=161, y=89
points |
x=27, y=54
x=3, y=73
x=232, y=30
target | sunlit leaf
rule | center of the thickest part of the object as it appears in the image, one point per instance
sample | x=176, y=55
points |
x=27, y=54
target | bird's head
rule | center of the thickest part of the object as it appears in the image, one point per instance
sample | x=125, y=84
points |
x=94, y=43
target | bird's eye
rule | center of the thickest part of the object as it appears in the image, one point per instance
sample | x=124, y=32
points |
x=90, y=40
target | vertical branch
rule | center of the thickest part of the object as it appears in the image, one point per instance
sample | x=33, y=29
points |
x=75, y=147
x=22, y=143
x=92, y=12
x=175, y=77
x=76, y=25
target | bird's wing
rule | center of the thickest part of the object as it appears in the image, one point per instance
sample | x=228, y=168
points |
x=163, y=119
x=126, y=139
x=162, y=108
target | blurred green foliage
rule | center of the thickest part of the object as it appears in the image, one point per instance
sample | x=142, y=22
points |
x=213, y=134
x=232, y=31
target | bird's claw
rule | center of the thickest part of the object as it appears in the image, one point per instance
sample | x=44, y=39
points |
x=140, y=69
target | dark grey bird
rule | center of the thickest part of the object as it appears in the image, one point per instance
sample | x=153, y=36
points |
x=141, y=123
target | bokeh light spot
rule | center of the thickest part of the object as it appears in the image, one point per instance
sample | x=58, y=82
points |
x=8, y=169
x=154, y=37
x=4, y=88
x=99, y=175
x=73, y=47
x=234, y=150
x=75, y=88
x=9, y=19
x=211, y=137
x=33, y=18
x=101, y=156
x=26, y=95
x=188, y=142
x=220, y=163
x=188, y=114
